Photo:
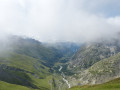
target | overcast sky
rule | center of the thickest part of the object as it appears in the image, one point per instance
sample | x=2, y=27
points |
x=60, y=20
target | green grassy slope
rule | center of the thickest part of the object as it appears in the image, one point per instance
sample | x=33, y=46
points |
x=24, y=70
x=8, y=86
x=111, y=85
x=29, y=63
x=24, y=63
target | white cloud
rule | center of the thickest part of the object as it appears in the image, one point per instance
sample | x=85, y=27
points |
x=58, y=20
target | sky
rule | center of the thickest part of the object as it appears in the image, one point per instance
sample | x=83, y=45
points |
x=60, y=20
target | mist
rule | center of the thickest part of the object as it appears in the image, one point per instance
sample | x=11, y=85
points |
x=60, y=20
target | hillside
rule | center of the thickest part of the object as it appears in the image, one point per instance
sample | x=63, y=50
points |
x=24, y=70
x=100, y=72
x=25, y=62
x=35, y=49
x=29, y=63
x=93, y=52
x=8, y=86
x=111, y=85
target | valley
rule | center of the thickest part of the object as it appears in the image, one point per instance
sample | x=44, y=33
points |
x=33, y=65
x=59, y=45
x=63, y=76
x=30, y=63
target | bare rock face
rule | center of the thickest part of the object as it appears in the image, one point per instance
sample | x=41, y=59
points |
x=101, y=72
x=95, y=63
x=90, y=53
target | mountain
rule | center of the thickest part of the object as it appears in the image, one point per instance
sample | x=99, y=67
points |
x=100, y=72
x=94, y=63
x=66, y=49
x=35, y=49
x=20, y=66
x=28, y=64
x=92, y=52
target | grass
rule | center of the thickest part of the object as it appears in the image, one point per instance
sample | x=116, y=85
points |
x=39, y=74
x=25, y=63
x=8, y=86
x=42, y=83
x=111, y=85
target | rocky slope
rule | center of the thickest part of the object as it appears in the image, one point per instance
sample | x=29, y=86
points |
x=101, y=72
x=95, y=63
x=93, y=52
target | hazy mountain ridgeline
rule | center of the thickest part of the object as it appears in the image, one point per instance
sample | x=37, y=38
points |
x=50, y=54
x=28, y=62
x=62, y=65
x=92, y=52
x=66, y=49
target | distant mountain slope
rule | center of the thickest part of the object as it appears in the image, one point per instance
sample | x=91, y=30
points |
x=93, y=52
x=49, y=54
x=102, y=71
x=111, y=85
x=35, y=49
x=66, y=49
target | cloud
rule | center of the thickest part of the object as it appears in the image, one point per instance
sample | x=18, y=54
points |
x=60, y=20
